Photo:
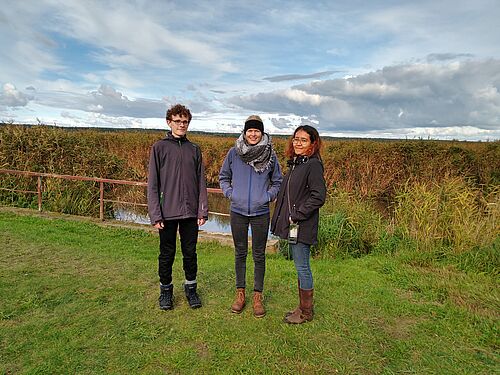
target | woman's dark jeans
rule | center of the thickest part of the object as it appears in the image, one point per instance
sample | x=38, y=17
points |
x=188, y=232
x=239, y=229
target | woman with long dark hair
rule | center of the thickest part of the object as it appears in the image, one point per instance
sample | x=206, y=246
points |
x=296, y=215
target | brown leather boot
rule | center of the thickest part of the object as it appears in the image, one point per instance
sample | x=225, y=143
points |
x=306, y=311
x=297, y=309
x=239, y=301
x=258, y=307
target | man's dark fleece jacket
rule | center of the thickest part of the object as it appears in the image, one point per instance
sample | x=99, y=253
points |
x=176, y=182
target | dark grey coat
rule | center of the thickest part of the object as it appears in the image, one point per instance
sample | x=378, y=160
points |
x=176, y=181
x=304, y=185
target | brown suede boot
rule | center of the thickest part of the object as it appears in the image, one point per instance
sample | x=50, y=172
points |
x=239, y=301
x=297, y=309
x=306, y=311
x=258, y=307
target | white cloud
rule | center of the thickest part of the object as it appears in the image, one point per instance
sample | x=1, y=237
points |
x=94, y=108
x=105, y=100
x=12, y=97
x=300, y=96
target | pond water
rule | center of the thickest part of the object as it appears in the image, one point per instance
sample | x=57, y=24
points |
x=214, y=224
x=218, y=217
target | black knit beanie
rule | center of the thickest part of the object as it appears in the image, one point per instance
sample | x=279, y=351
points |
x=254, y=122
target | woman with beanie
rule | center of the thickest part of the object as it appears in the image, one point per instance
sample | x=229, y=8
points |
x=250, y=177
x=296, y=215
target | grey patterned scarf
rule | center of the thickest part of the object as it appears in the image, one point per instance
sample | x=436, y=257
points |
x=259, y=155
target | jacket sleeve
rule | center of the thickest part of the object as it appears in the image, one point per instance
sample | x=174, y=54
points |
x=276, y=179
x=154, y=188
x=317, y=196
x=203, y=197
x=226, y=175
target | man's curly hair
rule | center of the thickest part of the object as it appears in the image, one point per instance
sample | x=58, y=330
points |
x=178, y=110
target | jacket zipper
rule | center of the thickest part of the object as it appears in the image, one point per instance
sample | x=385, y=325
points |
x=249, y=192
x=181, y=170
x=288, y=194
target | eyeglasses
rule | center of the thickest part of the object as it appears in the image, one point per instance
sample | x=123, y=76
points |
x=178, y=122
x=302, y=141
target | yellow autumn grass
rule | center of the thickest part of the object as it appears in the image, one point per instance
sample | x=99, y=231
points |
x=453, y=213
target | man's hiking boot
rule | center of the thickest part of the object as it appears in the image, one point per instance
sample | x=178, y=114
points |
x=191, y=295
x=166, y=299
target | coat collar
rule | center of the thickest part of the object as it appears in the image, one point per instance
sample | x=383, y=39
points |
x=170, y=137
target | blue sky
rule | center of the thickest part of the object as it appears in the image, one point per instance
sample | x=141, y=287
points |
x=392, y=69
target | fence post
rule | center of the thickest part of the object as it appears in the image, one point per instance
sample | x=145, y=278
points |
x=101, y=200
x=39, y=192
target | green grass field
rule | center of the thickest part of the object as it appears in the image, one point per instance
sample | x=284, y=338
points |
x=79, y=298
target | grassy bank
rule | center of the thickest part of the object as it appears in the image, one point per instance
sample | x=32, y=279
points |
x=78, y=298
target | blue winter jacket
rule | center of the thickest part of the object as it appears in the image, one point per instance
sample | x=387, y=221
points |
x=249, y=191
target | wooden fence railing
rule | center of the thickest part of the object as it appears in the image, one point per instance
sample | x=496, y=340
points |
x=101, y=182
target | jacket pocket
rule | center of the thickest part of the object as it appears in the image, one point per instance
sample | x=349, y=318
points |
x=237, y=201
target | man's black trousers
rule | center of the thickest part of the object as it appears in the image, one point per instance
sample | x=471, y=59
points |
x=188, y=231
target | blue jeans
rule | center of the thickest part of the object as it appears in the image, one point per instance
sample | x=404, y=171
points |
x=301, y=253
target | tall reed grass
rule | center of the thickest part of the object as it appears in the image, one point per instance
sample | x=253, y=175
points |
x=53, y=150
x=453, y=213
x=349, y=226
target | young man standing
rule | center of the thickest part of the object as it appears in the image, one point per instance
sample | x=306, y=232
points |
x=177, y=200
